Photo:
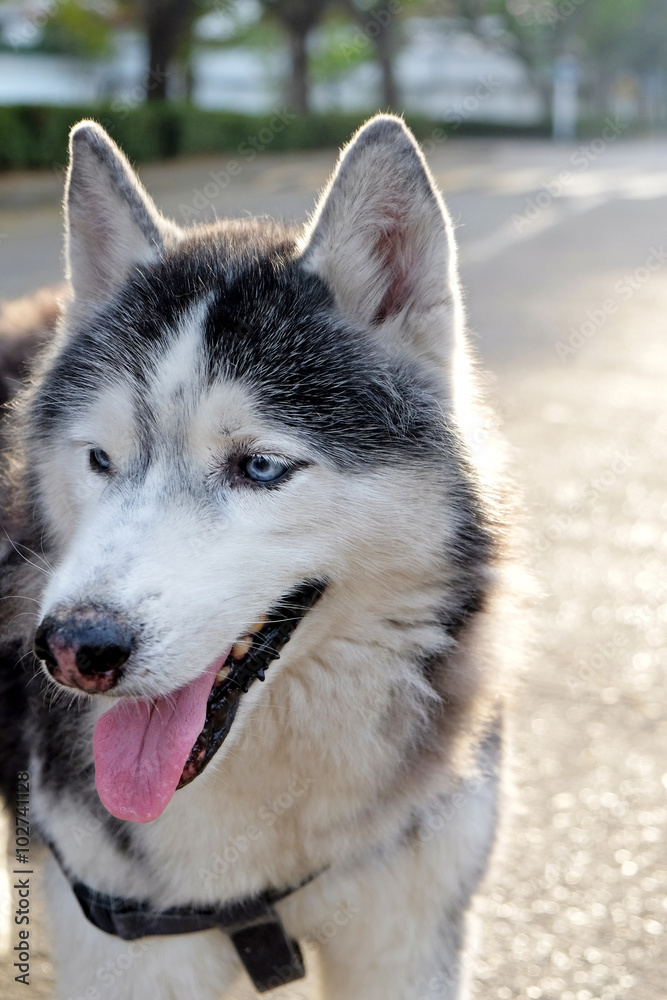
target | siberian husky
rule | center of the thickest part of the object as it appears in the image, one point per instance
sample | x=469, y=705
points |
x=256, y=454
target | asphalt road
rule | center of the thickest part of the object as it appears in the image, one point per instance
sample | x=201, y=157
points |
x=563, y=254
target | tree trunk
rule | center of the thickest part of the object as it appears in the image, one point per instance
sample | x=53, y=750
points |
x=378, y=23
x=160, y=54
x=166, y=23
x=384, y=46
x=298, y=89
x=297, y=18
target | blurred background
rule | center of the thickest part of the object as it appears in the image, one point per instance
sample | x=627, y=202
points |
x=545, y=125
x=536, y=66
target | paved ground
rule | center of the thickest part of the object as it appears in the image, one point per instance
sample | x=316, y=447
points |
x=562, y=258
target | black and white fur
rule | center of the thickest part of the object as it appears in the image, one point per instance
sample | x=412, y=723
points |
x=342, y=348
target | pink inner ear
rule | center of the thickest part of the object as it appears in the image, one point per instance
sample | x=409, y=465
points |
x=399, y=256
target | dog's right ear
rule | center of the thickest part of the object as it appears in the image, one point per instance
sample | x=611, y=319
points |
x=111, y=223
x=382, y=240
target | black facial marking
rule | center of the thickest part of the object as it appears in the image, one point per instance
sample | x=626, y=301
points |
x=275, y=329
x=271, y=326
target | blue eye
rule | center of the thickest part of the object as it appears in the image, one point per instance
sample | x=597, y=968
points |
x=99, y=460
x=265, y=469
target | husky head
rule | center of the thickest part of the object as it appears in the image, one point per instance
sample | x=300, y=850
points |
x=232, y=414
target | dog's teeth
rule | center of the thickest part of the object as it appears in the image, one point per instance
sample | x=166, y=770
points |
x=258, y=625
x=240, y=648
x=221, y=675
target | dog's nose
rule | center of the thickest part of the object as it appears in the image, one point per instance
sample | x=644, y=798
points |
x=85, y=651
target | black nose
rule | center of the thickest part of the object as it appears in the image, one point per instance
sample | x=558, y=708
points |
x=84, y=650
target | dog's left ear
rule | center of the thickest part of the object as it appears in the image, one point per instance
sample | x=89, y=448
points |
x=382, y=241
x=111, y=222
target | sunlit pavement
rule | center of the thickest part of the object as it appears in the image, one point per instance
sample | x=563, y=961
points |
x=566, y=283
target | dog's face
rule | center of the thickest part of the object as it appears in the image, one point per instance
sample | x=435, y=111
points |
x=232, y=414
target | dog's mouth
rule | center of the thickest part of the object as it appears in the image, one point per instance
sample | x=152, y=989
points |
x=146, y=749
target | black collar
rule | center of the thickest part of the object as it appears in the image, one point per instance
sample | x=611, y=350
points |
x=271, y=958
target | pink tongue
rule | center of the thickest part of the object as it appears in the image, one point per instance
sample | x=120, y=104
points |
x=140, y=748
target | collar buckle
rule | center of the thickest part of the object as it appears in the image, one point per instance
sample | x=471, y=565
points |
x=271, y=958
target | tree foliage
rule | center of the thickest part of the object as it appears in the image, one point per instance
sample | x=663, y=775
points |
x=610, y=34
x=72, y=28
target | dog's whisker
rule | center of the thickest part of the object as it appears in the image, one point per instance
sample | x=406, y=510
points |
x=17, y=546
x=20, y=660
x=218, y=777
x=14, y=545
x=23, y=614
x=19, y=597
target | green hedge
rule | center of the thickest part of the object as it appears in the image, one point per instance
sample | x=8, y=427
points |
x=36, y=136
